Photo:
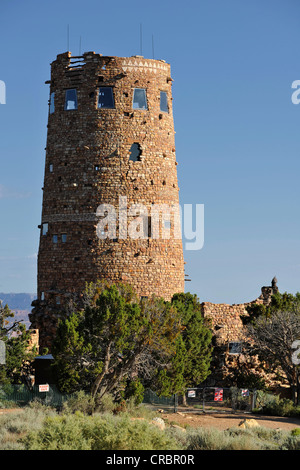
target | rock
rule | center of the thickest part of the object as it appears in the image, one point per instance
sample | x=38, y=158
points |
x=159, y=422
x=178, y=427
x=248, y=423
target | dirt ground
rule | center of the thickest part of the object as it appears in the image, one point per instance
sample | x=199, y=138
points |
x=225, y=420
x=219, y=421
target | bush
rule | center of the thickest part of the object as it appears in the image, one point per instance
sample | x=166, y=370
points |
x=258, y=438
x=15, y=424
x=79, y=401
x=98, y=432
x=273, y=405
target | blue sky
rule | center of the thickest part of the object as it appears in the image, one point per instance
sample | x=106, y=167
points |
x=237, y=130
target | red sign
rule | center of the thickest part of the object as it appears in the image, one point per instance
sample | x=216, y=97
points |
x=218, y=394
x=44, y=388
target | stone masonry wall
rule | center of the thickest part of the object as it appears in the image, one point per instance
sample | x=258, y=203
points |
x=88, y=163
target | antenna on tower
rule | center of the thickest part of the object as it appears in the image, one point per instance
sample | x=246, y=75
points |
x=141, y=38
x=152, y=46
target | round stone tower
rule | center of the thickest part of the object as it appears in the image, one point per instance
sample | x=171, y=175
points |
x=110, y=174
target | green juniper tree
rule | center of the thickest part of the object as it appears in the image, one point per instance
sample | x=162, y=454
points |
x=113, y=338
x=190, y=366
x=18, y=354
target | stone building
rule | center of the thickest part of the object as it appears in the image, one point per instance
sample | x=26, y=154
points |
x=228, y=337
x=110, y=141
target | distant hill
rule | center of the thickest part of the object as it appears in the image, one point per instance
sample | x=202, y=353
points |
x=17, y=301
x=20, y=304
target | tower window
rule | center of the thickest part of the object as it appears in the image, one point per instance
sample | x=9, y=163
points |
x=55, y=239
x=51, y=106
x=64, y=237
x=235, y=348
x=135, y=152
x=44, y=229
x=71, y=99
x=106, y=98
x=139, y=99
x=51, y=167
x=164, y=102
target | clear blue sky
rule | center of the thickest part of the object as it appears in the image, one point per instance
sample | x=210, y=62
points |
x=237, y=130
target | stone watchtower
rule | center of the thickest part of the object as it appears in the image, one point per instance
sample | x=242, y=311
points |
x=110, y=141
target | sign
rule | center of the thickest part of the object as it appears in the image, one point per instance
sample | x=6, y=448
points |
x=44, y=388
x=218, y=394
x=245, y=392
x=191, y=393
x=2, y=353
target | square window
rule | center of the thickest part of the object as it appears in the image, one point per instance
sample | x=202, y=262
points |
x=139, y=99
x=64, y=237
x=71, y=99
x=235, y=348
x=164, y=102
x=55, y=239
x=106, y=98
x=45, y=229
x=51, y=105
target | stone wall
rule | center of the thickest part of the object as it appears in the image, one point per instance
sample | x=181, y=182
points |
x=226, y=320
x=227, y=327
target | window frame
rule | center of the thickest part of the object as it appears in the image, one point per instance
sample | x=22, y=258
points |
x=160, y=102
x=237, y=348
x=112, y=97
x=45, y=228
x=146, y=101
x=76, y=99
x=52, y=103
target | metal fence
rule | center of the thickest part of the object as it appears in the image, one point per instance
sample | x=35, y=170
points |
x=205, y=399
x=219, y=399
x=153, y=399
x=21, y=395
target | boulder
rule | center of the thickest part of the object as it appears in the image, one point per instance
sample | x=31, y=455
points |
x=159, y=422
x=248, y=423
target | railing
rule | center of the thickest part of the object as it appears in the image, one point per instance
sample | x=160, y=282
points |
x=21, y=395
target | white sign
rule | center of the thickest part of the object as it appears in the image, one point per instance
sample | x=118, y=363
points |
x=44, y=388
x=191, y=393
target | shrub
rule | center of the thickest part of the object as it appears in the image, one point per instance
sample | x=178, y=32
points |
x=275, y=406
x=79, y=401
x=295, y=432
x=98, y=432
x=16, y=424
